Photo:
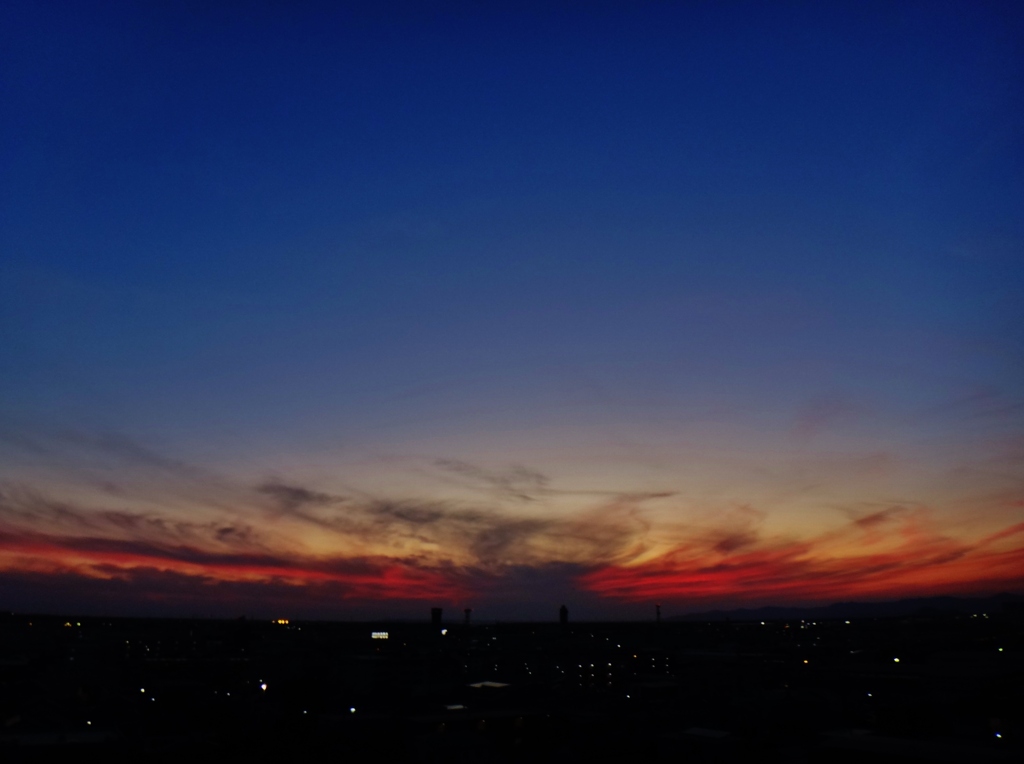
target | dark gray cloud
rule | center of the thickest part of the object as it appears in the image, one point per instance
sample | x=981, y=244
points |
x=516, y=482
x=493, y=537
x=22, y=503
x=25, y=507
x=446, y=530
x=291, y=497
x=733, y=530
x=875, y=521
x=880, y=517
x=117, y=465
x=730, y=542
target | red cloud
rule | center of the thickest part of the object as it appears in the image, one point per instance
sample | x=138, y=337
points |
x=807, y=571
x=360, y=578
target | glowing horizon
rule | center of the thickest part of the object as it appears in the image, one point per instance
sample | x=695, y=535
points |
x=498, y=539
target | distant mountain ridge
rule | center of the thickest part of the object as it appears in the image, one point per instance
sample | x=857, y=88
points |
x=904, y=607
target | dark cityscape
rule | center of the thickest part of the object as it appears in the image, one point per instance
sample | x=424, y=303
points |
x=936, y=686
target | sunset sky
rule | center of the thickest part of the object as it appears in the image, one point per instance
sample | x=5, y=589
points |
x=351, y=310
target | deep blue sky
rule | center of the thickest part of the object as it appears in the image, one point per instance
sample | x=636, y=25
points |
x=607, y=241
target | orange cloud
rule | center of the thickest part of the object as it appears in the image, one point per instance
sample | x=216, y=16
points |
x=922, y=564
x=353, y=578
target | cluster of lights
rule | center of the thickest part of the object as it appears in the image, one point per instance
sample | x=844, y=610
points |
x=281, y=621
x=378, y=635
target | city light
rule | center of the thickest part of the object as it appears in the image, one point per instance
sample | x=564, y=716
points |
x=379, y=635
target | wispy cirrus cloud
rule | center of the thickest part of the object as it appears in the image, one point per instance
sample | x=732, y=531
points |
x=481, y=532
x=104, y=557
x=835, y=565
x=26, y=508
x=509, y=531
x=516, y=482
x=421, y=549
x=290, y=498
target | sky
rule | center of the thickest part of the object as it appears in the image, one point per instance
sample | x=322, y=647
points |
x=353, y=310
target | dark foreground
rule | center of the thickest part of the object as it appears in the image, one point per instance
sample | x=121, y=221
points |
x=925, y=689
